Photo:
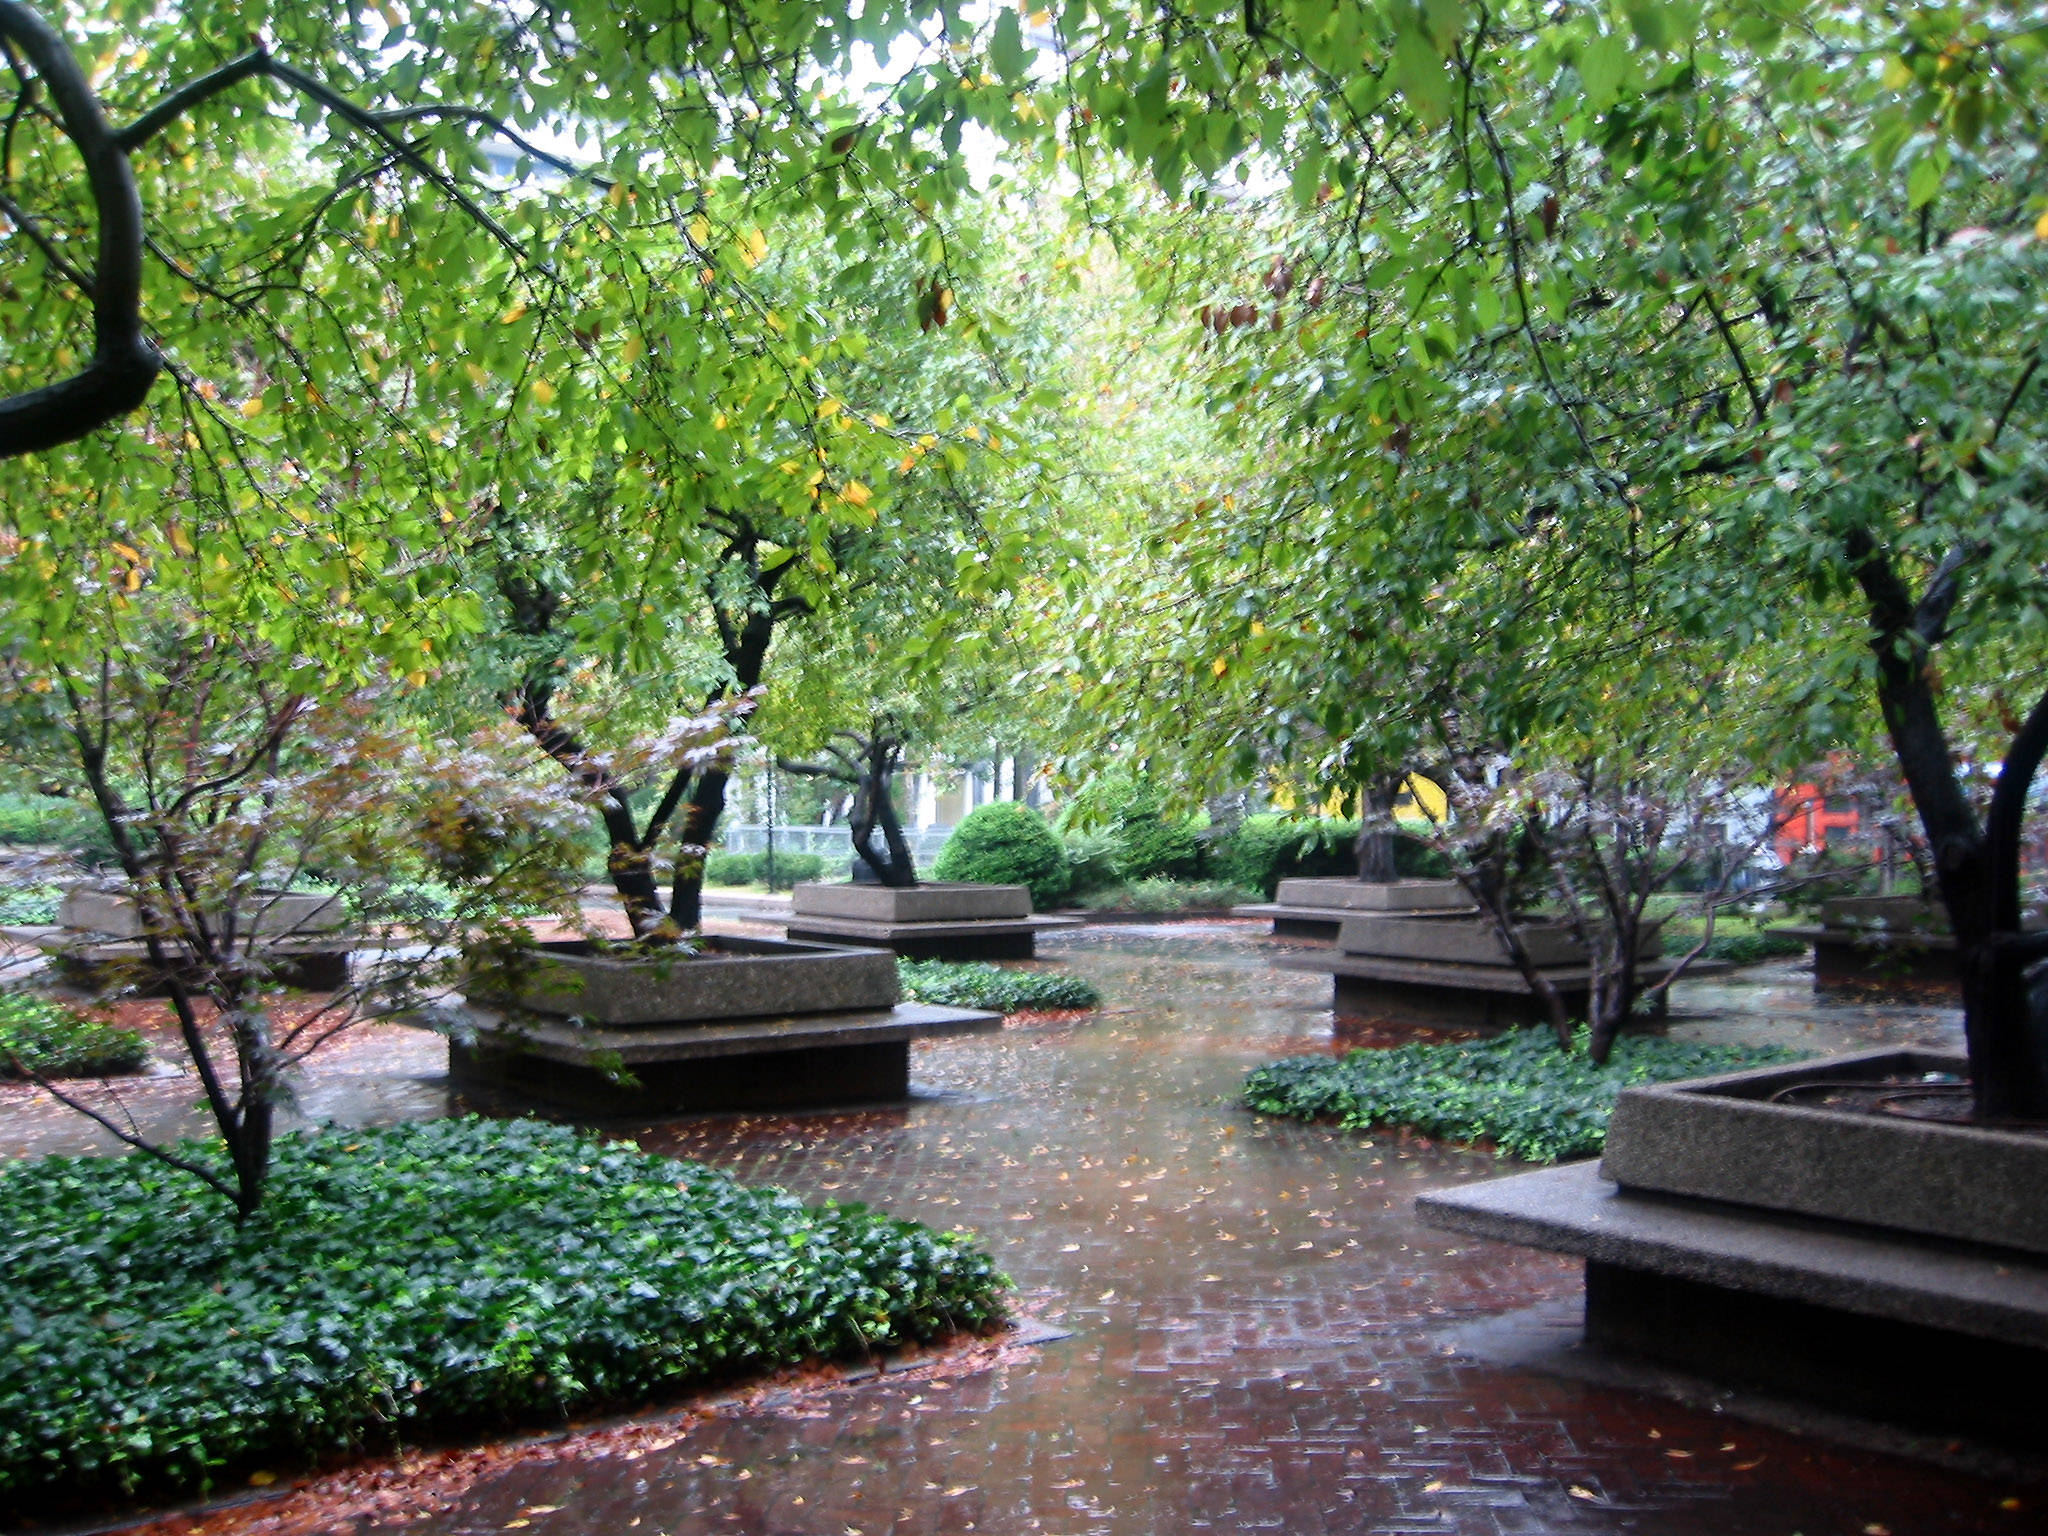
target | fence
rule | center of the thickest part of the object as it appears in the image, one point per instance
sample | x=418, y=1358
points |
x=832, y=844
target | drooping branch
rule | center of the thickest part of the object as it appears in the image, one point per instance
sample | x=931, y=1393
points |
x=123, y=365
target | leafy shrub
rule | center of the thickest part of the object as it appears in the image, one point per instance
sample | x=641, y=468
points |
x=30, y=905
x=1517, y=1090
x=1266, y=849
x=1091, y=863
x=752, y=868
x=51, y=821
x=1006, y=843
x=425, y=1275
x=975, y=984
x=1168, y=896
x=40, y=1035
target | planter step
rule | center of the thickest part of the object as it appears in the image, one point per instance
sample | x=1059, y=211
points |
x=985, y=938
x=799, y=1061
x=1941, y=1337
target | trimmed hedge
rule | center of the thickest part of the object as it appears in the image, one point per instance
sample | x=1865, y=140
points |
x=752, y=868
x=1517, y=1090
x=1006, y=843
x=414, y=1279
x=977, y=984
x=1168, y=896
x=40, y=1035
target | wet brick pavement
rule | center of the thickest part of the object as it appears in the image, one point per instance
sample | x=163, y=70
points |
x=1256, y=1316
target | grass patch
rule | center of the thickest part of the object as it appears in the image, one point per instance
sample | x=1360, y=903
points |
x=1169, y=896
x=409, y=1280
x=40, y=1035
x=977, y=984
x=1516, y=1090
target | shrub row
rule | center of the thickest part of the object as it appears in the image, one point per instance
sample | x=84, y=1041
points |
x=752, y=868
x=1517, y=1090
x=424, y=1276
x=975, y=984
x=1167, y=896
x=40, y=1036
x=1139, y=845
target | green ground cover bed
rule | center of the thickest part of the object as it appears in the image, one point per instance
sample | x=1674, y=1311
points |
x=401, y=1283
x=40, y=1036
x=976, y=984
x=1516, y=1090
x=30, y=906
x=1738, y=939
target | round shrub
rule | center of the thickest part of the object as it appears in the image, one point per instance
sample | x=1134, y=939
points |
x=1005, y=843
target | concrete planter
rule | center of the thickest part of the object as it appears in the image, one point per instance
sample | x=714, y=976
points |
x=1341, y=895
x=931, y=903
x=1724, y=1138
x=262, y=914
x=1898, y=916
x=730, y=978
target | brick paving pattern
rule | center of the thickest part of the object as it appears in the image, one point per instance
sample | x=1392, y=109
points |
x=1257, y=1319
x=1255, y=1315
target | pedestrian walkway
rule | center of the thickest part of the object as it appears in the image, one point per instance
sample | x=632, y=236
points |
x=1259, y=1329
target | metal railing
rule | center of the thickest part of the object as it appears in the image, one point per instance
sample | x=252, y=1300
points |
x=832, y=844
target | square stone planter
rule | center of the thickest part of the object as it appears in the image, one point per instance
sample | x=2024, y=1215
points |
x=263, y=914
x=1897, y=915
x=729, y=978
x=1471, y=941
x=937, y=902
x=1392, y=896
x=1730, y=1138
x=1888, y=1268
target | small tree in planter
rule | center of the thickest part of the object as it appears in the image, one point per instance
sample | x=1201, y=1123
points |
x=1595, y=841
x=865, y=764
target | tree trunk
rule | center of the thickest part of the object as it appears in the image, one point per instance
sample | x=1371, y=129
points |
x=2008, y=1046
x=1978, y=873
x=1375, y=846
x=874, y=806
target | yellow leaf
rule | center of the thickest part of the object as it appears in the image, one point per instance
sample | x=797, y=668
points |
x=513, y=313
x=477, y=376
x=828, y=408
x=179, y=542
x=543, y=391
x=629, y=354
x=2041, y=227
x=127, y=552
x=262, y=1479
x=907, y=464
x=700, y=230
x=252, y=408
x=1219, y=666
x=857, y=493
x=617, y=195
x=718, y=422
x=754, y=247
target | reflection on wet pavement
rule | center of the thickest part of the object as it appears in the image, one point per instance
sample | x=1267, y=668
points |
x=1256, y=1315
